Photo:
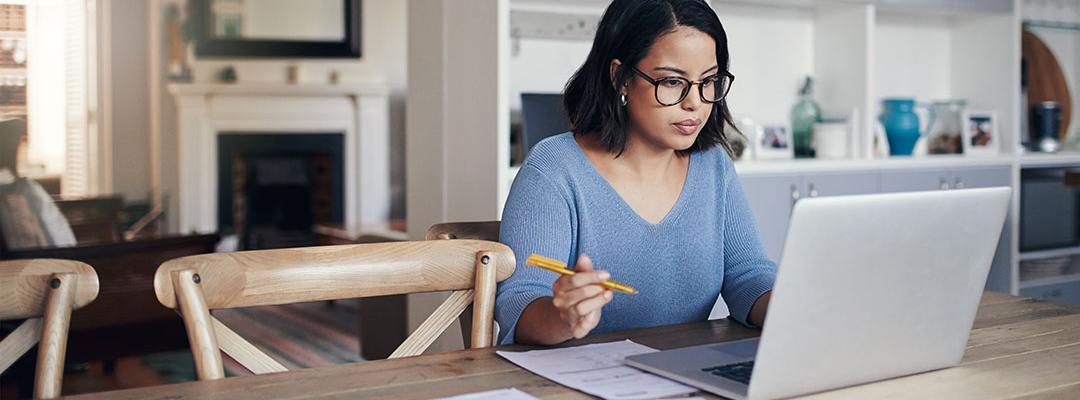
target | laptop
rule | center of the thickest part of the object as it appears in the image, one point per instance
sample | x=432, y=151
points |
x=868, y=288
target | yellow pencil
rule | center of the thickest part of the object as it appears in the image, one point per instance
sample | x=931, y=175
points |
x=560, y=268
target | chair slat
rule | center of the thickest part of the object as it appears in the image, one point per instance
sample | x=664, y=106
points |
x=21, y=340
x=434, y=326
x=243, y=351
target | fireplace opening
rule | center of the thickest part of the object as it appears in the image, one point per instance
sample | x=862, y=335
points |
x=274, y=188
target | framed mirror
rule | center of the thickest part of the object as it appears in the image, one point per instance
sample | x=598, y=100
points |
x=276, y=28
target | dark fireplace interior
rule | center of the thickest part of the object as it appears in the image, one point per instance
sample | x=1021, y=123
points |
x=272, y=188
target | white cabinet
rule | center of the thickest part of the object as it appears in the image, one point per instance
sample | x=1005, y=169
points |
x=772, y=197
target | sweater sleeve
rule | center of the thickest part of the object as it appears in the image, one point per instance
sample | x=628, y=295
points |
x=748, y=272
x=536, y=219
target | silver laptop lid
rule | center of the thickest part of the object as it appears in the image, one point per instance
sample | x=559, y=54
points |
x=874, y=287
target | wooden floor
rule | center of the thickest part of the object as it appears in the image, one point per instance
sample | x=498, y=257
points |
x=297, y=335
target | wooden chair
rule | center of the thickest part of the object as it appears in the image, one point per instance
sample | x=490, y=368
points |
x=479, y=230
x=44, y=292
x=195, y=285
x=474, y=230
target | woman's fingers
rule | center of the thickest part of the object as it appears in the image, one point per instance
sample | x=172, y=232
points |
x=579, y=313
x=586, y=324
x=568, y=298
x=594, y=303
x=584, y=263
x=580, y=298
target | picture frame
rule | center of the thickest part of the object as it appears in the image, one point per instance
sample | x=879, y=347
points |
x=980, y=133
x=209, y=45
x=773, y=142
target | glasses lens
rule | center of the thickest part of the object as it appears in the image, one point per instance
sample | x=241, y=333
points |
x=714, y=89
x=671, y=91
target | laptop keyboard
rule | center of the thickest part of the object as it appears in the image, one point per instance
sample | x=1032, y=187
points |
x=737, y=372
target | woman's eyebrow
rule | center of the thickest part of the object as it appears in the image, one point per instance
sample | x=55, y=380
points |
x=681, y=72
x=670, y=69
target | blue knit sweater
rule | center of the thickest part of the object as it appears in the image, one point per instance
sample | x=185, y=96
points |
x=560, y=206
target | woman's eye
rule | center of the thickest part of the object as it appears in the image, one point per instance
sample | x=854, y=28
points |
x=671, y=83
x=709, y=81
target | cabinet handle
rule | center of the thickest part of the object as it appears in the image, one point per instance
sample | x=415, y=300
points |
x=959, y=184
x=943, y=184
x=813, y=191
x=795, y=195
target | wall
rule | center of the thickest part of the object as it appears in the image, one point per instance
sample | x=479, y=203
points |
x=130, y=110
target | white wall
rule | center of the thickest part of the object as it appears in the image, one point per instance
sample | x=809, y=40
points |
x=914, y=57
x=130, y=98
x=771, y=52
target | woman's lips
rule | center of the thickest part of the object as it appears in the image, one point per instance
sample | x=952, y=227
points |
x=687, y=126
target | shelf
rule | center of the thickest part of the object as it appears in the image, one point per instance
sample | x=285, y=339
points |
x=1054, y=280
x=1054, y=253
x=1072, y=26
x=812, y=165
x=1037, y=160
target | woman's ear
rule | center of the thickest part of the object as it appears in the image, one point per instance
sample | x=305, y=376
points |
x=614, y=68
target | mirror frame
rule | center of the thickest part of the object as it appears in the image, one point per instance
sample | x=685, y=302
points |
x=206, y=45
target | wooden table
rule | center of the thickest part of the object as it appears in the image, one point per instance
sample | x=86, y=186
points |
x=1020, y=349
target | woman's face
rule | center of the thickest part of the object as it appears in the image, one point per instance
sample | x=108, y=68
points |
x=685, y=52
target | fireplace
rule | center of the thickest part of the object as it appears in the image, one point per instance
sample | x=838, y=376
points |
x=272, y=188
x=357, y=114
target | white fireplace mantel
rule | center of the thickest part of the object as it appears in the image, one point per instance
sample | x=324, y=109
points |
x=358, y=111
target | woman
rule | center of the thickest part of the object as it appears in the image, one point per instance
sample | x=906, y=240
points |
x=642, y=189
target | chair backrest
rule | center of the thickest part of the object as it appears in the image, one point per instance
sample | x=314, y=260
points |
x=196, y=284
x=477, y=230
x=44, y=292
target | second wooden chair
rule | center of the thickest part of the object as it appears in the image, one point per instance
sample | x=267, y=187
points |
x=44, y=292
x=197, y=284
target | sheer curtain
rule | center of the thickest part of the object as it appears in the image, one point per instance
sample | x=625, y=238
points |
x=58, y=99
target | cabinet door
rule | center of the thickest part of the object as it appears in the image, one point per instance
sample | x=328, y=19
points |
x=1000, y=278
x=981, y=177
x=1062, y=292
x=893, y=181
x=840, y=184
x=770, y=199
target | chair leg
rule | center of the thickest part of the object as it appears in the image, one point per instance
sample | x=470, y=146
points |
x=53, y=346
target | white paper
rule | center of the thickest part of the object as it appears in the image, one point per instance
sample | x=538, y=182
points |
x=598, y=369
x=501, y=394
x=719, y=309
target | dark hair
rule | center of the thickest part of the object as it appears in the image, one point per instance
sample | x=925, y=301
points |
x=626, y=32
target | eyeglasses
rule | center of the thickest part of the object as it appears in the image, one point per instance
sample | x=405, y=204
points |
x=672, y=90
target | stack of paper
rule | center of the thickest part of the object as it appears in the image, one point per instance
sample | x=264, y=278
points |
x=598, y=369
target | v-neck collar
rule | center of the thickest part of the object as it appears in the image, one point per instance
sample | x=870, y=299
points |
x=672, y=214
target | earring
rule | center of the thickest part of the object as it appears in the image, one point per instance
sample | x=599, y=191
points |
x=622, y=99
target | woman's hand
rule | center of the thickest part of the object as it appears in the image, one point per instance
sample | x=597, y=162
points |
x=579, y=298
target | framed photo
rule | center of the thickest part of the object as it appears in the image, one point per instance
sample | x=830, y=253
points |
x=773, y=141
x=980, y=133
